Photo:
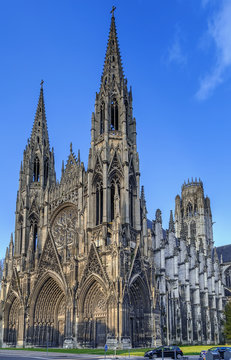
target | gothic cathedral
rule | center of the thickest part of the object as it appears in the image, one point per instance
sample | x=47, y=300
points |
x=86, y=267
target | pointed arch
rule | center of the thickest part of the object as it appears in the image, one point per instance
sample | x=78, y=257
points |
x=92, y=306
x=12, y=310
x=36, y=169
x=47, y=311
x=114, y=115
x=189, y=209
x=102, y=117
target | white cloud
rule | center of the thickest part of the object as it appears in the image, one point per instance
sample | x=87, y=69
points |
x=175, y=51
x=219, y=30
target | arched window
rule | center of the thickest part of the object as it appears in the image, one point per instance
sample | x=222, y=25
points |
x=99, y=203
x=195, y=210
x=45, y=171
x=114, y=115
x=36, y=169
x=35, y=236
x=193, y=230
x=131, y=202
x=189, y=210
x=102, y=117
x=126, y=115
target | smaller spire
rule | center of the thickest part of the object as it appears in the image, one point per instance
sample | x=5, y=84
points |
x=39, y=133
x=171, y=223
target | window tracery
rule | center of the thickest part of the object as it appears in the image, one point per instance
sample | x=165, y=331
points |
x=64, y=227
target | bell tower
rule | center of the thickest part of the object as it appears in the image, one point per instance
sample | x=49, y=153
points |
x=193, y=215
x=36, y=175
x=113, y=158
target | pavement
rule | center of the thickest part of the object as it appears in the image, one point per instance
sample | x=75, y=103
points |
x=32, y=355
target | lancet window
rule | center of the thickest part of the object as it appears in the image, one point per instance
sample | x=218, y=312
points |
x=20, y=233
x=45, y=171
x=33, y=232
x=99, y=203
x=35, y=236
x=189, y=210
x=131, y=206
x=114, y=115
x=102, y=117
x=36, y=169
x=126, y=115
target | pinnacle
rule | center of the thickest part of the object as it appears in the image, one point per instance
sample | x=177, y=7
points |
x=171, y=223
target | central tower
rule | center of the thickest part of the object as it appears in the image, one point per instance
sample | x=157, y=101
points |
x=113, y=167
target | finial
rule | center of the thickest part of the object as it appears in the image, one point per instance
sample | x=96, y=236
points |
x=71, y=147
x=41, y=84
x=112, y=10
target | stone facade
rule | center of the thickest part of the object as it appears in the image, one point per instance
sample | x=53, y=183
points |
x=188, y=273
x=86, y=267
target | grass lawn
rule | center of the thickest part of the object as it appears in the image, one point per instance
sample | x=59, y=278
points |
x=187, y=350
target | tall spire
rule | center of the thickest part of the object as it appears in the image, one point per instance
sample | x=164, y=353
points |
x=39, y=133
x=113, y=69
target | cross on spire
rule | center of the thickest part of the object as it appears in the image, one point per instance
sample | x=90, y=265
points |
x=112, y=10
x=41, y=84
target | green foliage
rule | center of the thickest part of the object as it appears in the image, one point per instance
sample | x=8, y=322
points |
x=228, y=320
x=187, y=350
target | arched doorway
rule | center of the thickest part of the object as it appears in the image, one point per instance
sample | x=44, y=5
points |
x=140, y=314
x=49, y=315
x=93, y=314
x=11, y=327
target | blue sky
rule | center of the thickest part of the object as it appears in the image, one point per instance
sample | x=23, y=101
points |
x=177, y=58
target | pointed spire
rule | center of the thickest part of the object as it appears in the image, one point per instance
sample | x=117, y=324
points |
x=171, y=223
x=39, y=132
x=113, y=70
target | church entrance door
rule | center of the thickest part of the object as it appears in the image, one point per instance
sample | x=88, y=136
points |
x=100, y=332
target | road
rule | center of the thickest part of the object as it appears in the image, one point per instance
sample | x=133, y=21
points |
x=32, y=355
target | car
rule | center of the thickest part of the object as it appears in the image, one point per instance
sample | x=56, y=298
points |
x=203, y=355
x=168, y=351
x=219, y=350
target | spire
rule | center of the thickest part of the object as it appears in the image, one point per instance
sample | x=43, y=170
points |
x=113, y=70
x=171, y=223
x=39, y=133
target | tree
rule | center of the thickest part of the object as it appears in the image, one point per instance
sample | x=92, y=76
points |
x=228, y=320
